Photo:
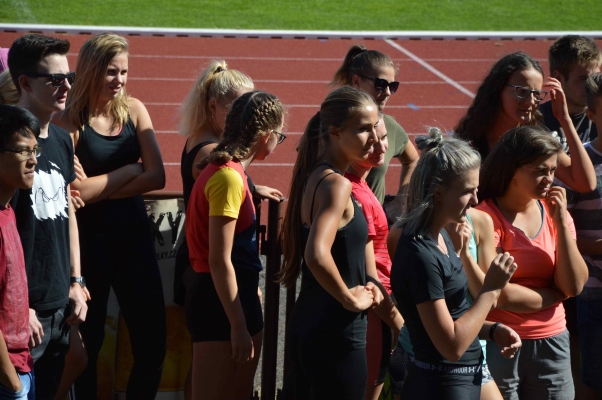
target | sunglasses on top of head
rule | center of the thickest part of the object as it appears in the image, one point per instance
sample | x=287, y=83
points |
x=57, y=80
x=381, y=84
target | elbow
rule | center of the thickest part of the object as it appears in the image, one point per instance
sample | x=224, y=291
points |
x=157, y=180
x=452, y=355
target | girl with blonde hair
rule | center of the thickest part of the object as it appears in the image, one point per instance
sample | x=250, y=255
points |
x=111, y=132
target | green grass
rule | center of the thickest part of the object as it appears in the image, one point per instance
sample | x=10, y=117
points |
x=538, y=15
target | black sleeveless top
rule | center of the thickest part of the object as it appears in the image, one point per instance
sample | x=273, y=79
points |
x=317, y=316
x=100, y=154
x=186, y=164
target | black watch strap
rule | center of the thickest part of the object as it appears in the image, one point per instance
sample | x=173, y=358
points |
x=79, y=279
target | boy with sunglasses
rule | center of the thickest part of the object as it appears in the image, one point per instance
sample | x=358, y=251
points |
x=18, y=157
x=45, y=216
x=573, y=59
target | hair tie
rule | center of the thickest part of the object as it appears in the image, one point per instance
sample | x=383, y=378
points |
x=220, y=69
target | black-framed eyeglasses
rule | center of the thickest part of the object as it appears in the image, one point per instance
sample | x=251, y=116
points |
x=57, y=80
x=523, y=92
x=25, y=154
x=381, y=84
x=281, y=137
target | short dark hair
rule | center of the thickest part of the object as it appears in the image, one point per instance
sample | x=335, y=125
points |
x=519, y=146
x=16, y=121
x=573, y=50
x=28, y=50
x=593, y=90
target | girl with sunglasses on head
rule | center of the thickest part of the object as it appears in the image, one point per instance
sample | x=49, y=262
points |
x=381, y=332
x=531, y=222
x=223, y=311
x=325, y=237
x=111, y=132
x=429, y=281
x=374, y=73
x=508, y=97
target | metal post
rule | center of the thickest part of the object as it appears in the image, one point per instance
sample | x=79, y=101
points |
x=271, y=248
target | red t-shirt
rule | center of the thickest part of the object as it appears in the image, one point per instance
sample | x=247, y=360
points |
x=536, y=261
x=222, y=190
x=14, y=296
x=378, y=228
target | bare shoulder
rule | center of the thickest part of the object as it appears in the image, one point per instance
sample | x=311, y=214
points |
x=61, y=120
x=137, y=108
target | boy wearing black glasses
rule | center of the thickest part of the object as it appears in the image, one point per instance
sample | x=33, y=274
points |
x=45, y=217
x=573, y=59
x=18, y=157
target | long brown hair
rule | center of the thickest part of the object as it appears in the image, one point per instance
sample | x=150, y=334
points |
x=481, y=115
x=339, y=107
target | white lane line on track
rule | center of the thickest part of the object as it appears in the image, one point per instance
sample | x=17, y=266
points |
x=256, y=58
x=414, y=107
x=297, y=81
x=430, y=68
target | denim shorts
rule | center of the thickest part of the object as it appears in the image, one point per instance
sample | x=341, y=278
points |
x=27, y=388
x=589, y=321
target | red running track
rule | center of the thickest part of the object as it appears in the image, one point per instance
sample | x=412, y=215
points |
x=162, y=70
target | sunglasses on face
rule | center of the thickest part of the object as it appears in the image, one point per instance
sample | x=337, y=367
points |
x=25, y=154
x=281, y=137
x=523, y=92
x=57, y=80
x=381, y=84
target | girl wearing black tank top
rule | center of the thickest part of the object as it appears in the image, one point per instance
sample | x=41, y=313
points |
x=325, y=236
x=111, y=132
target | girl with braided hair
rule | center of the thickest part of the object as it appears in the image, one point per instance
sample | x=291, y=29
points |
x=223, y=311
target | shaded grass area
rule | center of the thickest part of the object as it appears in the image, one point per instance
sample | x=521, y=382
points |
x=472, y=15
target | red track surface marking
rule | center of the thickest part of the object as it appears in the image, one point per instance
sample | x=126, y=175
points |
x=162, y=70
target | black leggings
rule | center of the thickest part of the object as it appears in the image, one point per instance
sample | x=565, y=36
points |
x=423, y=384
x=129, y=265
x=327, y=374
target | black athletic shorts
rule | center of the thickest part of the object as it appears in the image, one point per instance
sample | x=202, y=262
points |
x=206, y=319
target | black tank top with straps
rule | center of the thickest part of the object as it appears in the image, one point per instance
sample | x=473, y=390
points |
x=100, y=154
x=318, y=317
x=186, y=164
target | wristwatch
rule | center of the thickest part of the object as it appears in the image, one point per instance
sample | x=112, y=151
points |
x=80, y=280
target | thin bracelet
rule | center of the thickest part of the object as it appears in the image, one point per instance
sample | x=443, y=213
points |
x=492, y=329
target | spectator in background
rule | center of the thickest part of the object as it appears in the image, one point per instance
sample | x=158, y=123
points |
x=573, y=59
x=586, y=210
x=111, y=132
x=19, y=151
x=374, y=73
x=507, y=98
x=202, y=121
x=45, y=214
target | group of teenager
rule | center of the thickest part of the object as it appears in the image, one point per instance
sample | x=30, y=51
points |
x=466, y=271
